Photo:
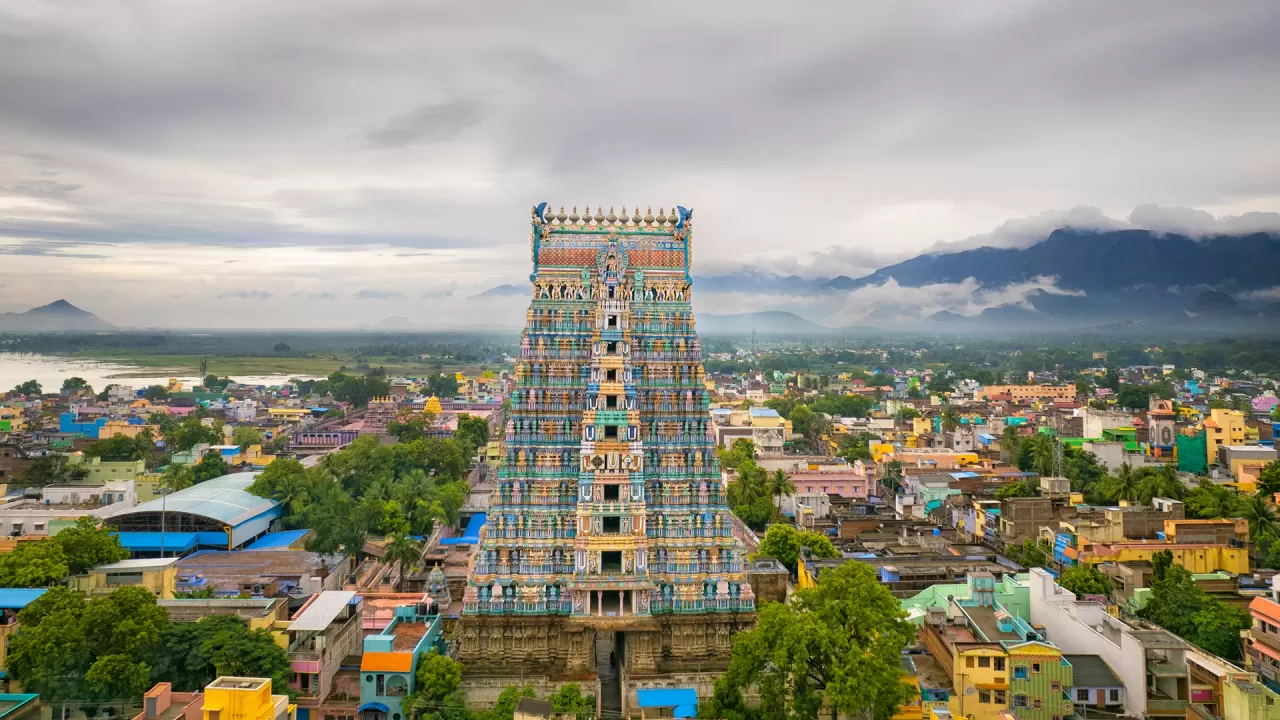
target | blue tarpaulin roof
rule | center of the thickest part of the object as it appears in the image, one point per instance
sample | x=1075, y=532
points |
x=471, y=535
x=684, y=700
x=150, y=541
x=277, y=540
x=18, y=598
x=374, y=706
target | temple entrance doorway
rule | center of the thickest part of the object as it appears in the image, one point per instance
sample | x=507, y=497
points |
x=608, y=656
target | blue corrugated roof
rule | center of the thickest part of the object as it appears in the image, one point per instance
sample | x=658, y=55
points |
x=222, y=499
x=471, y=535
x=763, y=412
x=277, y=540
x=684, y=700
x=18, y=598
x=150, y=541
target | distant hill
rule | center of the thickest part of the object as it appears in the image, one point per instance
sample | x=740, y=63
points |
x=771, y=321
x=57, y=316
x=1098, y=261
x=505, y=290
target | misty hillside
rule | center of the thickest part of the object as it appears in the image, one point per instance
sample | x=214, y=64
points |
x=57, y=316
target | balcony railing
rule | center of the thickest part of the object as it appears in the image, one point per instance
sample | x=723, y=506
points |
x=1166, y=706
x=1160, y=668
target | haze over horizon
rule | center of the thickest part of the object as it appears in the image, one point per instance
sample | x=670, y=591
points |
x=319, y=164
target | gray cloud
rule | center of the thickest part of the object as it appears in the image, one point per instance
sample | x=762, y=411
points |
x=429, y=123
x=315, y=295
x=48, y=248
x=812, y=138
x=378, y=295
x=246, y=295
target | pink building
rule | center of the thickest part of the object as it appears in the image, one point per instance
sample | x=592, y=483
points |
x=836, y=479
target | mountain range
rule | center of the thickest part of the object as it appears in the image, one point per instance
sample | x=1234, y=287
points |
x=57, y=316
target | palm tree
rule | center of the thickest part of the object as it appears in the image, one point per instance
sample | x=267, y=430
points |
x=175, y=478
x=950, y=418
x=1124, y=485
x=1160, y=483
x=403, y=551
x=1261, y=517
x=1044, y=455
x=748, y=486
x=292, y=493
x=778, y=485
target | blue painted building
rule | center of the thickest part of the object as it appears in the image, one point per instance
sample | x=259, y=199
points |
x=391, y=657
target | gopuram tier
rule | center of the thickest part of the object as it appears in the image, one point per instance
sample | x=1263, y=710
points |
x=608, y=519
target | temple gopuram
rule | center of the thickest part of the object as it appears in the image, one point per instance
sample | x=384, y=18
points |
x=608, y=533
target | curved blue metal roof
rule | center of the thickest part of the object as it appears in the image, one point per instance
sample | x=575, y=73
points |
x=222, y=499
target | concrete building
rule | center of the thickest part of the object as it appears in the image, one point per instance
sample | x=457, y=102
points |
x=12, y=600
x=1151, y=663
x=390, y=658
x=324, y=632
x=159, y=575
x=262, y=573
x=1026, y=393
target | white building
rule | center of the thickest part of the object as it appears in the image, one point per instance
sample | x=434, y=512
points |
x=1152, y=663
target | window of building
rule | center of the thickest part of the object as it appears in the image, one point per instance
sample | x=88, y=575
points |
x=1035, y=667
x=984, y=662
x=610, y=432
x=984, y=697
x=611, y=322
x=1019, y=672
x=1000, y=664
x=611, y=375
x=999, y=697
x=612, y=525
x=612, y=493
x=968, y=662
x=1019, y=700
x=1055, y=685
x=1113, y=695
x=611, y=402
x=1035, y=704
x=380, y=685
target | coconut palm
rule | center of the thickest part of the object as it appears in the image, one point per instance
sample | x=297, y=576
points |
x=403, y=551
x=1124, y=485
x=748, y=486
x=950, y=418
x=1161, y=483
x=175, y=478
x=1261, y=516
x=778, y=485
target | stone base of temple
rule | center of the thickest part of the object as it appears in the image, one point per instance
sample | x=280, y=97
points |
x=483, y=691
x=525, y=646
x=563, y=648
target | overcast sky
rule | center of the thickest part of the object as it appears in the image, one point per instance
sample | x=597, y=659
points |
x=309, y=163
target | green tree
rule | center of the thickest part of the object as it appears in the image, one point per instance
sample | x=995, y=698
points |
x=50, y=470
x=950, y=417
x=1261, y=516
x=437, y=694
x=247, y=653
x=855, y=447
x=907, y=414
x=801, y=417
x=76, y=384
x=87, y=544
x=210, y=466
x=839, y=644
x=286, y=481
x=1124, y=485
x=156, y=392
x=403, y=552
x=1085, y=579
x=119, y=448
x=740, y=451
x=1269, y=478
x=783, y=542
x=1084, y=387
x=72, y=649
x=1018, y=489
x=191, y=431
x=119, y=676
x=505, y=707
x=569, y=700
x=106, y=392
x=473, y=432
x=244, y=436
x=1181, y=607
x=281, y=347
x=409, y=427
x=37, y=563
x=1133, y=397
x=1210, y=500
x=778, y=485
x=30, y=387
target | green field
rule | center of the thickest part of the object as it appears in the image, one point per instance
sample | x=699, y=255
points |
x=313, y=365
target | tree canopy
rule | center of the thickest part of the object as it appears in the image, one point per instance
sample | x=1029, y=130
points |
x=1180, y=606
x=41, y=563
x=837, y=646
x=783, y=542
x=30, y=387
x=1085, y=579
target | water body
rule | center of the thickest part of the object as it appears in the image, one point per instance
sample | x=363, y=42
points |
x=51, y=370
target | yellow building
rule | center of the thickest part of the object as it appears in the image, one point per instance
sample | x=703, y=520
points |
x=1222, y=427
x=241, y=698
x=12, y=420
x=1224, y=550
x=159, y=575
x=112, y=428
x=288, y=413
